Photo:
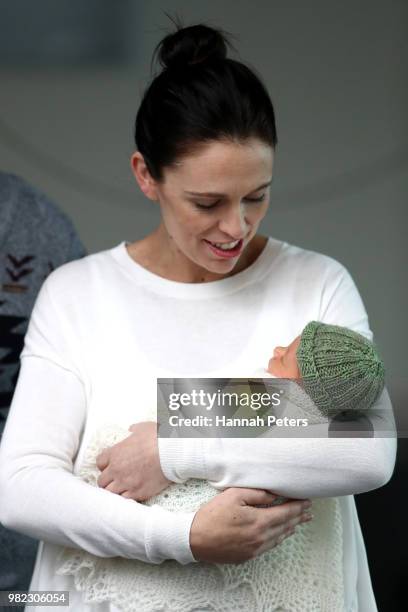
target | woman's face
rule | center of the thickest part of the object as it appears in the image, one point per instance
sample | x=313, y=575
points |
x=213, y=198
x=284, y=364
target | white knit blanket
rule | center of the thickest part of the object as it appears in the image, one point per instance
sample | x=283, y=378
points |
x=302, y=574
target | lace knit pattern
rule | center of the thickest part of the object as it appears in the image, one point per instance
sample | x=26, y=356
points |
x=303, y=574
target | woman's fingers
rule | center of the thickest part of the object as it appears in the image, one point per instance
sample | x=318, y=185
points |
x=290, y=526
x=102, y=459
x=276, y=519
x=230, y=528
x=276, y=535
x=113, y=487
x=282, y=537
x=128, y=494
x=253, y=497
x=104, y=479
x=303, y=518
x=284, y=513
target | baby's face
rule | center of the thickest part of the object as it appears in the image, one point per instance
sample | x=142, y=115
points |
x=284, y=364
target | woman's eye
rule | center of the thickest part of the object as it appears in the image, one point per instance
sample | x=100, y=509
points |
x=210, y=206
x=205, y=206
x=260, y=199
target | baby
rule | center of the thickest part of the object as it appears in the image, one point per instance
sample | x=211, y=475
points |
x=338, y=368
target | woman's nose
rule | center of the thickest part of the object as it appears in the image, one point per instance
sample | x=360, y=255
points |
x=233, y=222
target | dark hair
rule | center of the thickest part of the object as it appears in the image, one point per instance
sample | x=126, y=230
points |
x=198, y=97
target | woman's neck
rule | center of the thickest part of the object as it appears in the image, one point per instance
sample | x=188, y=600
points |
x=158, y=254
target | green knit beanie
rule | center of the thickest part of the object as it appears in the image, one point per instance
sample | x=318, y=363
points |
x=340, y=368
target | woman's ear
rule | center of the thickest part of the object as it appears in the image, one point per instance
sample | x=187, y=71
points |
x=143, y=177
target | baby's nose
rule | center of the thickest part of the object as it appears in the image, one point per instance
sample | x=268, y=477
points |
x=278, y=351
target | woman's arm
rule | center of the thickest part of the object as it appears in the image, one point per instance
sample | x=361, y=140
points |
x=41, y=497
x=301, y=467
x=293, y=467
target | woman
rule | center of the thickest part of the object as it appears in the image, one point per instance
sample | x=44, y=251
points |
x=204, y=295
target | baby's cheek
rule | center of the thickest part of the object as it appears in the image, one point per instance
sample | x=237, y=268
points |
x=275, y=367
x=291, y=368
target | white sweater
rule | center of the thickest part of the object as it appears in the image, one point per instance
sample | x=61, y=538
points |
x=103, y=328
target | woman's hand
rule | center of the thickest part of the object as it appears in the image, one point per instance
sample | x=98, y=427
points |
x=229, y=529
x=132, y=467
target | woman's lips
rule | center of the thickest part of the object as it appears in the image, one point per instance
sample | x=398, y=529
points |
x=226, y=254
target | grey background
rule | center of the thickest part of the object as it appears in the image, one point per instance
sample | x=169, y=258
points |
x=337, y=74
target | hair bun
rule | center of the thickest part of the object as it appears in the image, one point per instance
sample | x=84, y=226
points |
x=192, y=45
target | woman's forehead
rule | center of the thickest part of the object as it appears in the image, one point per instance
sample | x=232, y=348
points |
x=219, y=166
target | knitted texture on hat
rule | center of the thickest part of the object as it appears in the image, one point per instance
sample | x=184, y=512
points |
x=340, y=368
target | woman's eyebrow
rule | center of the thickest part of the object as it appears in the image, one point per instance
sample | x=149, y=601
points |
x=218, y=195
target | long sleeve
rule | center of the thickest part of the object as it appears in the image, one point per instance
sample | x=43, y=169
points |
x=39, y=493
x=297, y=467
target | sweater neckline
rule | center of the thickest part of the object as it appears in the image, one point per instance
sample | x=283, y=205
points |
x=215, y=288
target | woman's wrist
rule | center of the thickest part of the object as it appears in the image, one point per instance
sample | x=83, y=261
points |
x=182, y=458
x=168, y=536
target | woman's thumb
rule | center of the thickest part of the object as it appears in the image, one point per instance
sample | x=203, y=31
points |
x=253, y=497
